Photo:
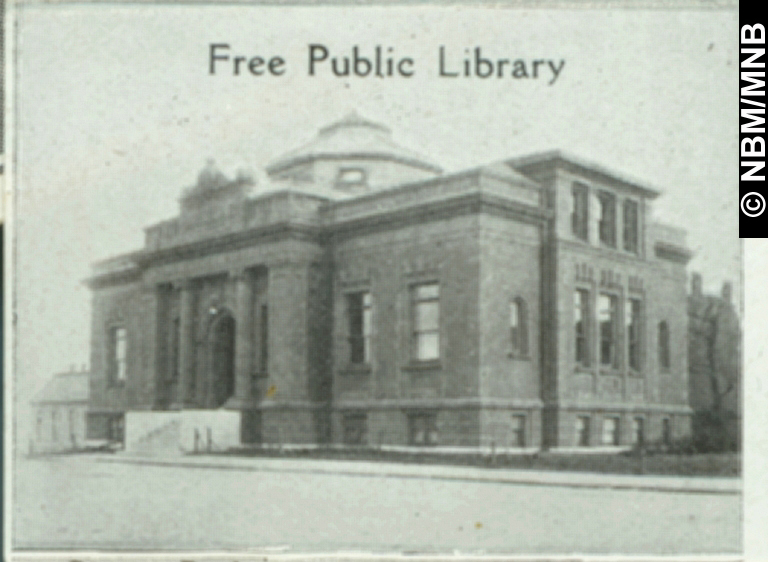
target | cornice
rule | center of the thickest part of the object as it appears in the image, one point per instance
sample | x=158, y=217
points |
x=472, y=203
x=228, y=242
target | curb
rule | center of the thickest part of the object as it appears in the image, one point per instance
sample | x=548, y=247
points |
x=517, y=481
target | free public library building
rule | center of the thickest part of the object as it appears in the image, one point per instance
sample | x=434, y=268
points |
x=363, y=297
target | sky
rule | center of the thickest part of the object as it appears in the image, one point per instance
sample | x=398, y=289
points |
x=116, y=113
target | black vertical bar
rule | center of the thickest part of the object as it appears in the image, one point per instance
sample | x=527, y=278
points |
x=752, y=138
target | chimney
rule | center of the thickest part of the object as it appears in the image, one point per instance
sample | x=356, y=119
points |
x=727, y=291
x=696, y=284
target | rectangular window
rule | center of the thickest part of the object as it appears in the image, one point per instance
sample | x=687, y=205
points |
x=632, y=318
x=581, y=326
x=607, y=218
x=54, y=424
x=664, y=359
x=666, y=431
x=118, y=351
x=350, y=177
x=359, y=314
x=638, y=431
x=514, y=326
x=606, y=312
x=610, y=431
x=580, y=216
x=582, y=431
x=355, y=429
x=518, y=430
x=518, y=327
x=422, y=429
x=263, y=339
x=631, y=226
x=426, y=322
x=116, y=428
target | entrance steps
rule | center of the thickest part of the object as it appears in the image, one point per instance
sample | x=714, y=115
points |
x=180, y=432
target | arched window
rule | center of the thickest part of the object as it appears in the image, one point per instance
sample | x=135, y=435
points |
x=518, y=327
x=664, y=361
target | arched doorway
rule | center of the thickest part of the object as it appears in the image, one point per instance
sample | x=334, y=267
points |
x=222, y=355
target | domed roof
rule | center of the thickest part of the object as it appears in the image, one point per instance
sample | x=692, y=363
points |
x=352, y=137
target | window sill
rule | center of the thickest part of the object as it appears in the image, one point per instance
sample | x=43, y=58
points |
x=610, y=372
x=422, y=366
x=635, y=374
x=356, y=369
x=116, y=384
x=584, y=370
x=518, y=356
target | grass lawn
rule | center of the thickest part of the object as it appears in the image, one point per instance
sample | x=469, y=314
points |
x=709, y=464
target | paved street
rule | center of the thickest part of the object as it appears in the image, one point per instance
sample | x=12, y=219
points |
x=93, y=502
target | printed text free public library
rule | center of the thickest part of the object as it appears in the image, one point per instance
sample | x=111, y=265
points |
x=385, y=62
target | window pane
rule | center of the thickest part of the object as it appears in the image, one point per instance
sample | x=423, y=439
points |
x=582, y=431
x=664, y=345
x=518, y=430
x=666, y=431
x=121, y=344
x=637, y=431
x=120, y=350
x=367, y=322
x=631, y=234
x=426, y=322
x=581, y=323
x=355, y=429
x=359, y=314
x=580, y=216
x=514, y=339
x=607, y=218
x=632, y=320
x=610, y=431
x=606, y=318
x=427, y=316
x=432, y=436
x=428, y=346
x=355, y=314
x=351, y=175
x=514, y=314
x=430, y=291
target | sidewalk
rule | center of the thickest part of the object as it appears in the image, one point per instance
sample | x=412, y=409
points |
x=652, y=483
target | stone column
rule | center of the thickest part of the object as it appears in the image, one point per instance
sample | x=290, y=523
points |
x=243, y=340
x=186, y=345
